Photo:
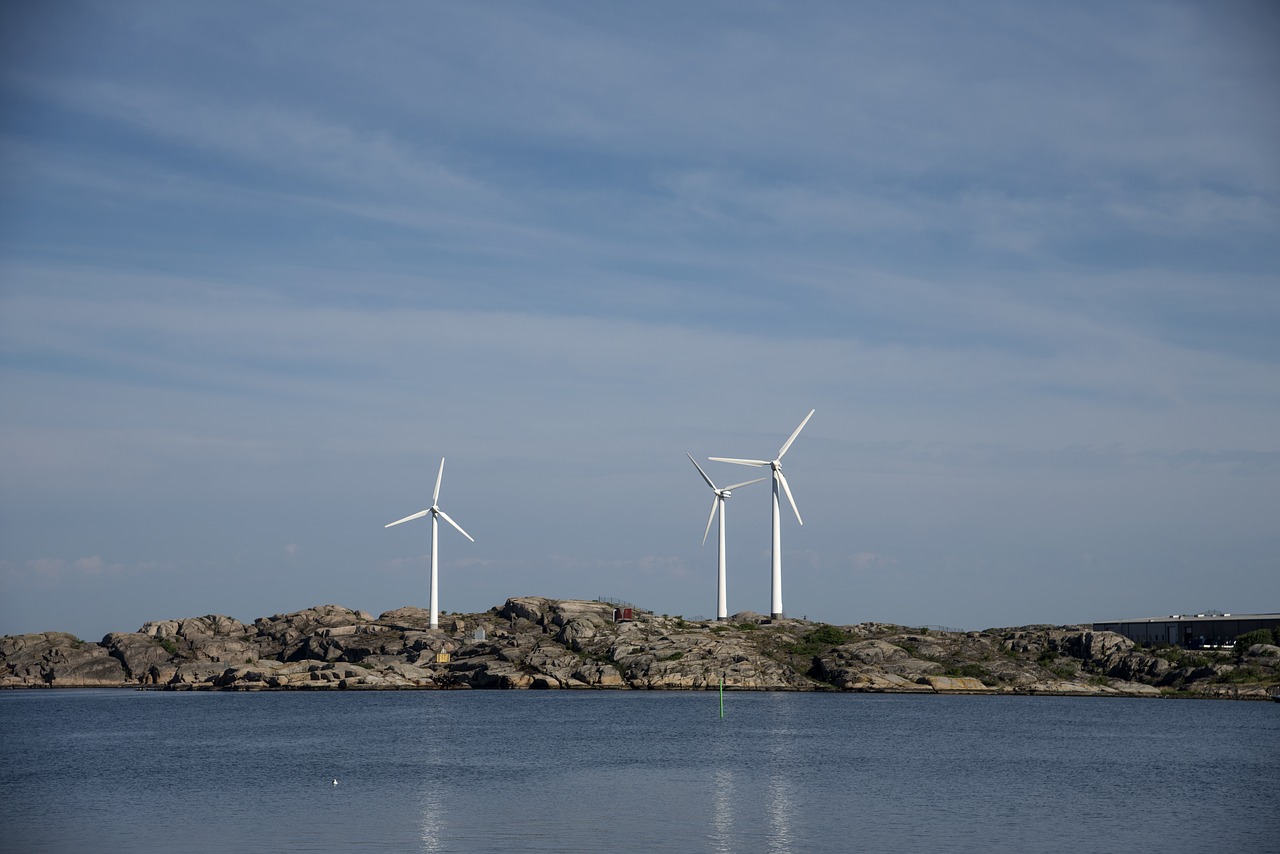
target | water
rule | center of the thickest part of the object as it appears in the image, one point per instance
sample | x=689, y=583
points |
x=488, y=771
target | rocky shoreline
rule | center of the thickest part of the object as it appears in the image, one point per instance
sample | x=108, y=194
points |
x=533, y=642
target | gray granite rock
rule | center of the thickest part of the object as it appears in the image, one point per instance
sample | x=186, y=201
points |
x=536, y=642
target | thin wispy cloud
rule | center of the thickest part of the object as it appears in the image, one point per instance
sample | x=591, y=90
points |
x=261, y=267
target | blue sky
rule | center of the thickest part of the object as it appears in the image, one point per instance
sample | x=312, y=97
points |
x=262, y=265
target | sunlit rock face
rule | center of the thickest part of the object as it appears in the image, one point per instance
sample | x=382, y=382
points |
x=533, y=642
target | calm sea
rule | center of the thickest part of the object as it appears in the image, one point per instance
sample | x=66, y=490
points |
x=489, y=771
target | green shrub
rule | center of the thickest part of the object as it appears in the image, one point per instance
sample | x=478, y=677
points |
x=1248, y=639
x=825, y=634
x=819, y=640
x=747, y=627
x=1248, y=673
x=972, y=671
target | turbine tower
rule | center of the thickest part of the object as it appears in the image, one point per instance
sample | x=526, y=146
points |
x=778, y=478
x=436, y=513
x=717, y=503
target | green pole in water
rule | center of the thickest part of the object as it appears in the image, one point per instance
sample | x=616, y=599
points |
x=722, y=697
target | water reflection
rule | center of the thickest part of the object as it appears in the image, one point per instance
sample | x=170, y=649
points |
x=432, y=808
x=722, y=798
x=780, y=793
x=779, y=807
x=431, y=819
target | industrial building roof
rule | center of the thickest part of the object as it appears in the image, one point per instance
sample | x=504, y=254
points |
x=1170, y=617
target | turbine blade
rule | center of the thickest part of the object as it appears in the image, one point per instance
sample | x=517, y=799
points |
x=787, y=444
x=445, y=516
x=747, y=483
x=740, y=462
x=715, y=503
x=435, y=496
x=700, y=471
x=417, y=515
x=782, y=478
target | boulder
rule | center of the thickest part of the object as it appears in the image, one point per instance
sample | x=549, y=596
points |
x=1133, y=666
x=138, y=653
x=531, y=608
x=191, y=674
x=1063, y=686
x=875, y=652
x=599, y=676
x=407, y=618
x=89, y=666
x=1090, y=646
x=57, y=659
x=879, y=682
x=957, y=685
x=1134, y=689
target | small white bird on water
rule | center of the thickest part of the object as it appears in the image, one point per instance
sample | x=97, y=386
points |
x=335, y=781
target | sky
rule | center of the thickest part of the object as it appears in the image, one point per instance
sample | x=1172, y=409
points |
x=263, y=265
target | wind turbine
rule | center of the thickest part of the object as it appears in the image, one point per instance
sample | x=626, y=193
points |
x=778, y=478
x=717, y=503
x=435, y=512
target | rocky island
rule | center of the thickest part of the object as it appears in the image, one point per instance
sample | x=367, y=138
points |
x=534, y=642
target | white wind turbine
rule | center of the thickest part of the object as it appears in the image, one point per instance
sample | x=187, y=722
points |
x=778, y=478
x=717, y=503
x=435, y=512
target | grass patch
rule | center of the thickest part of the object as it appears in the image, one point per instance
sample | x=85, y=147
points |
x=821, y=639
x=971, y=671
x=1242, y=675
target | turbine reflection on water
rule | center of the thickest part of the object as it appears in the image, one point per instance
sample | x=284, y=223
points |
x=722, y=812
x=778, y=808
x=431, y=826
x=431, y=819
x=780, y=795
